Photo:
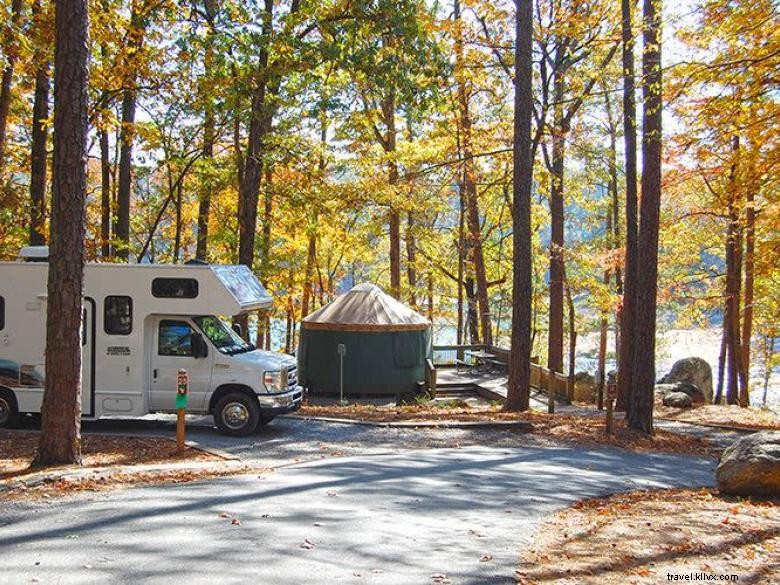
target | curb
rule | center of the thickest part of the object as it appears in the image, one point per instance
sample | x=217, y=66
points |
x=716, y=426
x=449, y=424
x=41, y=477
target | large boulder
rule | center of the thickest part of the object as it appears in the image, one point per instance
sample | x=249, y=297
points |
x=584, y=387
x=692, y=370
x=677, y=400
x=751, y=466
x=696, y=396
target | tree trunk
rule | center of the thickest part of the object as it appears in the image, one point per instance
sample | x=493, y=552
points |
x=724, y=343
x=557, y=242
x=474, y=235
x=177, y=236
x=572, y=342
x=472, y=320
x=204, y=205
x=105, y=195
x=640, y=414
x=311, y=257
x=430, y=297
x=394, y=217
x=38, y=155
x=10, y=49
x=518, y=386
x=411, y=258
x=747, y=315
x=604, y=323
x=60, y=440
x=127, y=135
x=625, y=382
x=259, y=127
x=733, y=278
x=461, y=262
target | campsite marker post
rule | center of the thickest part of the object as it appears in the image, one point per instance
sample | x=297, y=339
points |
x=611, y=395
x=342, y=351
x=182, y=390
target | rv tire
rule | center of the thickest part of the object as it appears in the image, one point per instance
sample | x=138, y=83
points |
x=9, y=412
x=237, y=414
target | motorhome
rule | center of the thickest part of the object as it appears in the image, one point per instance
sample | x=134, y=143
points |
x=141, y=324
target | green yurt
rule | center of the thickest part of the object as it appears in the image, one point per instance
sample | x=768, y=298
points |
x=386, y=344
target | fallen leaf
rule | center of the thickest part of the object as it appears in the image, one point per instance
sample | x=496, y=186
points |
x=307, y=544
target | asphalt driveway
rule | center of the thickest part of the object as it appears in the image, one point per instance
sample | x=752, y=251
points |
x=402, y=518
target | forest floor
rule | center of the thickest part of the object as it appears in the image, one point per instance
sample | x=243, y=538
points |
x=648, y=536
x=578, y=430
x=722, y=415
x=108, y=461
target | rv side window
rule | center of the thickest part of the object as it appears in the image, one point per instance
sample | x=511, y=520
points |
x=175, y=288
x=118, y=315
x=2, y=313
x=174, y=338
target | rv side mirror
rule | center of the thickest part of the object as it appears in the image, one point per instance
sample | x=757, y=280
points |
x=238, y=329
x=199, y=348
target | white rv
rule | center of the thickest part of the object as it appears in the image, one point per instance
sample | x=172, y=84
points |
x=141, y=324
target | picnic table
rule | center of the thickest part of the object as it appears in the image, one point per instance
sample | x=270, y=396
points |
x=484, y=361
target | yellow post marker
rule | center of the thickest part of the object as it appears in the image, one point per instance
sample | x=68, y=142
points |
x=182, y=389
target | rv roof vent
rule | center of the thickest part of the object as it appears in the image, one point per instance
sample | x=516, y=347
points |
x=196, y=262
x=34, y=253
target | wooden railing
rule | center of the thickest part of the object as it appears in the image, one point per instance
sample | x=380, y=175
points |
x=430, y=378
x=448, y=355
x=543, y=379
x=556, y=385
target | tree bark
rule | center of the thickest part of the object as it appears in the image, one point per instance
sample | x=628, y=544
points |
x=10, y=49
x=127, y=135
x=625, y=382
x=474, y=235
x=724, y=342
x=105, y=195
x=411, y=259
x=733, y=280
x=640, y=414
x=204, y=204
x=179, y=226
x=461, y=262
x=253, y=166
x=394, y=217
x=747, y=295
x=124, y=186
x=60, y=440
x=518, y=386
x=557, y=241
x=38, y=155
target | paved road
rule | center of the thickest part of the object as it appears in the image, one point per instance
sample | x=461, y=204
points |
x=384, y=519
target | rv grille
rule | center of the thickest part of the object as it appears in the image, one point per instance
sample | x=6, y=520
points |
x=292, y=377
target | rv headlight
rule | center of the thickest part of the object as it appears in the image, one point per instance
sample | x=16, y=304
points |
x=273, y=381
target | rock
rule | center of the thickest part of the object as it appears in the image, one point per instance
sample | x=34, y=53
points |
x=694, y=371
x=677, y=400
x=584, y=377
x=696, y=395
x=751, y=466
x=584, y=387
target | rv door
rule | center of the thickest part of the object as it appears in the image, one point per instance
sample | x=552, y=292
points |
x=176, y=348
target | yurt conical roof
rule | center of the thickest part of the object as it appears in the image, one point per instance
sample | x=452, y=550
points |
x=366, y=307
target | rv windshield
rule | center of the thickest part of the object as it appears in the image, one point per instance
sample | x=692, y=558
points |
x=222, y=336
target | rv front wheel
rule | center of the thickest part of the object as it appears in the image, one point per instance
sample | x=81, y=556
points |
x=8, y=411
x=237, y=414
